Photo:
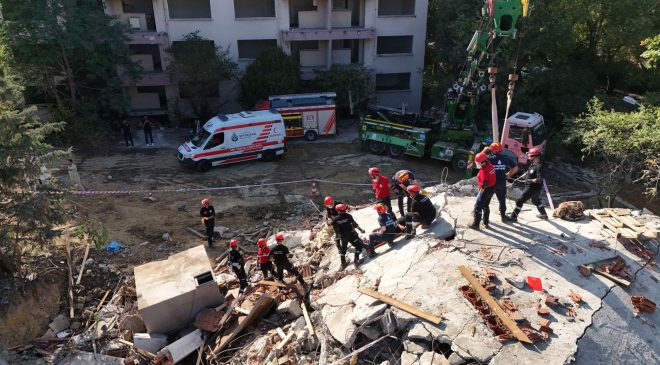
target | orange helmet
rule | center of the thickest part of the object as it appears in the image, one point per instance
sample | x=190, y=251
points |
x=381, y=208
x=341, y=207
x=233, y=243
x=374, y=170
x=480, y=157
x=261, y=242
x=328, y=201
x=206, y=201
x=279, y=237
x=403, y=177
x=413, y=189
x=496, y=147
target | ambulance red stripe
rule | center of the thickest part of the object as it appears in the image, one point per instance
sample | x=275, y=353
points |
x=270, y=122
x=254, y=147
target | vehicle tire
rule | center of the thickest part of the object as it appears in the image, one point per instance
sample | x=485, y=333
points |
x=459, y=162
x=310, y=135
x=268, y=156
x=375, y=147
x=204, y=165
x=396, y=151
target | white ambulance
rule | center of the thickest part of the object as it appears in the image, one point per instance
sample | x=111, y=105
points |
x=226, y=139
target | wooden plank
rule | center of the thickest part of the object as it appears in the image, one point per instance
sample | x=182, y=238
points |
x=308, y=321
x=494, y=306
x=629, y=221
x=595, y=267
x=70, y=278
x=82, y=267
x=401, y=305
x=285, y=340
x=195, y=233
x=602, y=220
x=272, y=283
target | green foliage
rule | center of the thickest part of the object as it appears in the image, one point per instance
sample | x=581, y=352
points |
x=70, y=50
x=26, y=218
x=344, y=78
x=272, y=73
x=199, y=66
x=624, y=144
x=93, y=232
x=652, y=53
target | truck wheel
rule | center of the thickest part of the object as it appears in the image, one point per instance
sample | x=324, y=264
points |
x=395, y=151
x=310, y=135
x=268, y=156
x=203, y=165
x=376, y=147
x=459, y=162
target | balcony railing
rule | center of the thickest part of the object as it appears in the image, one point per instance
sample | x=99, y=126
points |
x=316, y=19
x=327, y=34
x=147, y=38
x=156, y=78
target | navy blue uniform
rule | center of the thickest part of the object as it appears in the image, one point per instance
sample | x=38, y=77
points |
x=280, y=255
x=345, y=226
x=237, y=264
x=532, y=191
x=502, y=164
x=391, y=231
x=422, y=211
x=401, y=193
x=209, y=223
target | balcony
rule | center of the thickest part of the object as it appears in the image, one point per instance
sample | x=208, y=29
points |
x=158, y=38
x=316, y=19
x=153, y=78
x=327, y=34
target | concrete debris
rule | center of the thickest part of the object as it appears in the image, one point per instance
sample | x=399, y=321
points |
x=641, y=304
x=418, y=332
x=178, y=350
x=59, y=323
x=132, y=323
x=149, y=342
x=433, y=358
x=87, y=358
x=412, y=347
x=290, y=307
x=408, y=358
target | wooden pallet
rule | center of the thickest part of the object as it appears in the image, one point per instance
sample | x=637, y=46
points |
x=619, y=223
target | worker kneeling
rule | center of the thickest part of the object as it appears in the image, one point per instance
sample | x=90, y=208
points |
x=387, y=231
x=345, y=227
x=421, y=213
x=486, y=179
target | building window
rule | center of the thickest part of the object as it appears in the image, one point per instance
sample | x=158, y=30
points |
x=251, y=49
x=189, y=9
x=254, y=8
x=394, y=81
x=394, y=45
x=396, y=7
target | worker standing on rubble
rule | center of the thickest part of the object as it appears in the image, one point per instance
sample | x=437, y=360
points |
x=422, y=211
x=486, y=180
x=533, y=186
x=207, y=212
x=331, y=212
x=237, y=264
x=345, y=227
x=400, y=181
x=281, y=255
x=263, y=253
x=388, y=231
x=381, y=186
x=504, y=168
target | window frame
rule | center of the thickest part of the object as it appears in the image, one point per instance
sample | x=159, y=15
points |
x=410, y=53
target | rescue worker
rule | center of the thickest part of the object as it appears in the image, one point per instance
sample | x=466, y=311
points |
x=237, y=264
x=263, y=254
x=504, y=167
x=207, y=212
x=381, y=186
x=281, y=255
x=533, y=186
x=331, y=212
x=345, y=227
x=400, y=181
x=422, y=211
x=486, y=180
x=388, y=230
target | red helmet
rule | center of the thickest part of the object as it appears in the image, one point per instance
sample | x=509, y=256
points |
x=496, y=147
x=536, y=151
x=480, y=157
x=233, y=243
x=279, y=237
x=206, y=201
x=381, y=208
x=374, y=170
x=328, y=201
x=341, y=207
x=413, y=189
x=261, y=242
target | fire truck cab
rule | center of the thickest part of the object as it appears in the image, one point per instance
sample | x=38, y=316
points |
x=305, y=115
x=522, y=132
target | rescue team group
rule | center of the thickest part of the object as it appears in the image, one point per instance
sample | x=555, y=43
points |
x=494, y=170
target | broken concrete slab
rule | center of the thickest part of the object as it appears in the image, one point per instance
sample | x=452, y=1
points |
x=87, y=358
x=367, y=309
x=132, y=323
x=372, y=332
x=290, y=307
x=403, y=318
x=417, y=331
x=454, y=359
x=413, y=348
x=179, y=349
x=149, y=342
x=408, y=358
x=432, y=358
x=59, y=323
x=480, y=348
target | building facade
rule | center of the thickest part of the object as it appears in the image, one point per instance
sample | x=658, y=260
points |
x=385, y=36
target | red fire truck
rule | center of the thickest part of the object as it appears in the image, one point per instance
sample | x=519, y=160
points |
x=305, y=115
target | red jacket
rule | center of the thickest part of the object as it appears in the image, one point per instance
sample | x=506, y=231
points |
x=263, y=253
x=381, y=187
x=486, y=177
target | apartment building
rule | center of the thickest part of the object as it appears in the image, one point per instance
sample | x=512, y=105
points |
x=385, y=36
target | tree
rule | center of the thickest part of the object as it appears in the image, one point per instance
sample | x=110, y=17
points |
x=272, y=73
x=343, y=79
x=70, y=50
x=199, y=66
x=626, y=146
x=26, y=218
x=652, y=53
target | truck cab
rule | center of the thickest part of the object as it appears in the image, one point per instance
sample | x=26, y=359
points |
x=522, y=132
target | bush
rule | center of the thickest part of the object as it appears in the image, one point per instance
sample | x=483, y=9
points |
x=272, y=73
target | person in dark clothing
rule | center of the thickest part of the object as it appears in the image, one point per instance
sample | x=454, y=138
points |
x=505, y=167
x=331, y=212
x=400, y=182
x=381, y=185
x=422, y=211
x=345, y=227
x=237, y=264
x=126, y=131
x=263, y=254
x=486, y=180
x=388, y=231
x=533, y=186
x=280, y=255
x=147, y=129
x=207, y=212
